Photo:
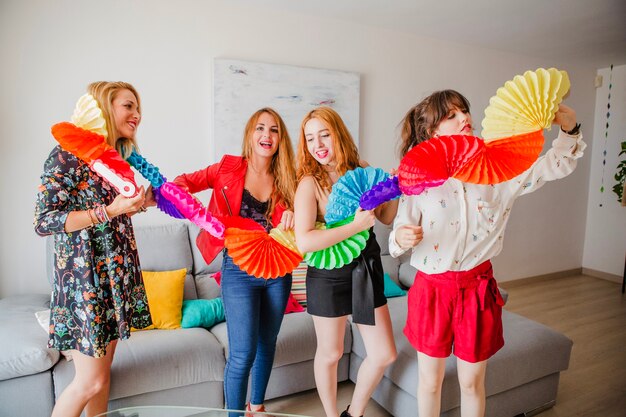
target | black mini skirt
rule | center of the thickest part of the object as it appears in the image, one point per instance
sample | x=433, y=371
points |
x=356, y=288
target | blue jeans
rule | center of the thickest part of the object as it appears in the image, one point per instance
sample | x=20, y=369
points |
x=254, y=309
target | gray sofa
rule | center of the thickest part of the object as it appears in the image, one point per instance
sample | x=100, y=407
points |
x=186, y=366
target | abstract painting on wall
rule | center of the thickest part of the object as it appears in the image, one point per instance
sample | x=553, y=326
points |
x=241, y=87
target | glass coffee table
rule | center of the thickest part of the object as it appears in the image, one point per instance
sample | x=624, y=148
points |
x=176, y=411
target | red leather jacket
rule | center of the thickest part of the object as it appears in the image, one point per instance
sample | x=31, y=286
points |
x=227, y=179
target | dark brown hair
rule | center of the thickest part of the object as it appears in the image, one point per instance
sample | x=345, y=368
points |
x=422, y=120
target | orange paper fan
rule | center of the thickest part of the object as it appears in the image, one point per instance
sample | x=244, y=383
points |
x=92, y=148
x=503, y=159
x=259, y=254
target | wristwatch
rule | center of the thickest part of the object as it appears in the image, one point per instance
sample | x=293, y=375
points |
x=575, y=130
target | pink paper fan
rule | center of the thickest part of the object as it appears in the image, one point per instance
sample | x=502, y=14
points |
x=192, y=209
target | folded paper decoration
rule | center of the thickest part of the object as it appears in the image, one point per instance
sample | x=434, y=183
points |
x=525, y=104
x=380, y=193
x=341, y=253
x=513, y=131
x=258, y=253
x=85, y=138
x=192, y=209
x=152, y=174
x=345, y=196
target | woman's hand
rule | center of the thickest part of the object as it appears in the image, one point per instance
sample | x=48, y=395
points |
x=565, y=117
x=409, y=235
x=363, y=219
x=287, y=220
x=122, y=205
x=150, y=200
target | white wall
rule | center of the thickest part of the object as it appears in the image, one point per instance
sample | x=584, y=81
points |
x=50, y=51
x=605, y=237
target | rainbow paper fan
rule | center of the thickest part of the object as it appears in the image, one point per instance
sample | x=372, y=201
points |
x=525, y=104
x=344, y=199
x=152, y=174
x=341, y=253
x=468, y=159
x=380, y=193
x=513, y=132
x=192, y=209
x=88, y=115
x=502, y=160
x=85, y=138
x=432, y=162
x=91, y=148
x=261, y=254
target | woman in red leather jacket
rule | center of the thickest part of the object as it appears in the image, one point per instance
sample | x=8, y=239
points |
x=259, y=185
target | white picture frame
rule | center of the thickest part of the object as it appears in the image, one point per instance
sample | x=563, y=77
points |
x=241, y=87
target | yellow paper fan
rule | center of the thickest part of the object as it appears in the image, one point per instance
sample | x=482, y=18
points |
x=286, y=238
x=88, y=115
x=525, y=104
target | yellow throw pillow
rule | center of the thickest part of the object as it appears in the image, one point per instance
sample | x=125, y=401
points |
x=165, y=297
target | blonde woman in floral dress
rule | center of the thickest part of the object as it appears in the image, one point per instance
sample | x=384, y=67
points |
x=97, y=290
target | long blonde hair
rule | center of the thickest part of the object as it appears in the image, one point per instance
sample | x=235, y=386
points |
x=105, y=92
x=344, y=148
x=282, y=166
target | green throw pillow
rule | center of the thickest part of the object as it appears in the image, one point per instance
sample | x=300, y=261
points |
x=202, y=313
x=391, y=288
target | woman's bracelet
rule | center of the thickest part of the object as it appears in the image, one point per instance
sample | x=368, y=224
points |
x=101, y=213
x=93, y=223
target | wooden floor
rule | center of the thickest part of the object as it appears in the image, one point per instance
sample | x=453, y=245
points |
x=590, y=311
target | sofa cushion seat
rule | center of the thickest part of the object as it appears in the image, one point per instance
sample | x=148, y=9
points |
x=296, y=340
x=23, y=349
x=156, y=360
x=531, y=351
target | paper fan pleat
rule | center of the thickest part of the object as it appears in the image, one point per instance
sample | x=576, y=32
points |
x=502, y=160
x=88, y=115
x=146, y=169
x=192, y=209
x=287, y=238
x=238, y=222
x=257, y=253
x=165, y=205
x=432, y=162
x=92, y=148
x=380, y=193
x=525, y=104
x=346, y=193
x=341, y=253
x=82, y=143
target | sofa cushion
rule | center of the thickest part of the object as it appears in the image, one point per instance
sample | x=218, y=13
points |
x=166, y=247
x=158, y=360
x=391, y=288
x=164, y=290
x=207, y=286
x=296, y=339
x=23, y=349
x=202, y=313
x=531, y=351
x=200, y=266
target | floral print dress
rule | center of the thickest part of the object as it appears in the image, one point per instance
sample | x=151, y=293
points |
x=97, y=290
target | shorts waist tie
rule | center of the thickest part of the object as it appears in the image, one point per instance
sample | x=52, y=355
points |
x=487, y=282
x=479, y=277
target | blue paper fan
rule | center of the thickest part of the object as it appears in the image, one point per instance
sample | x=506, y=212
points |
x=152, y=174
x=344, y=198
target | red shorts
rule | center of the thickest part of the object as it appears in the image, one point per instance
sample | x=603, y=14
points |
x=460, y=309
